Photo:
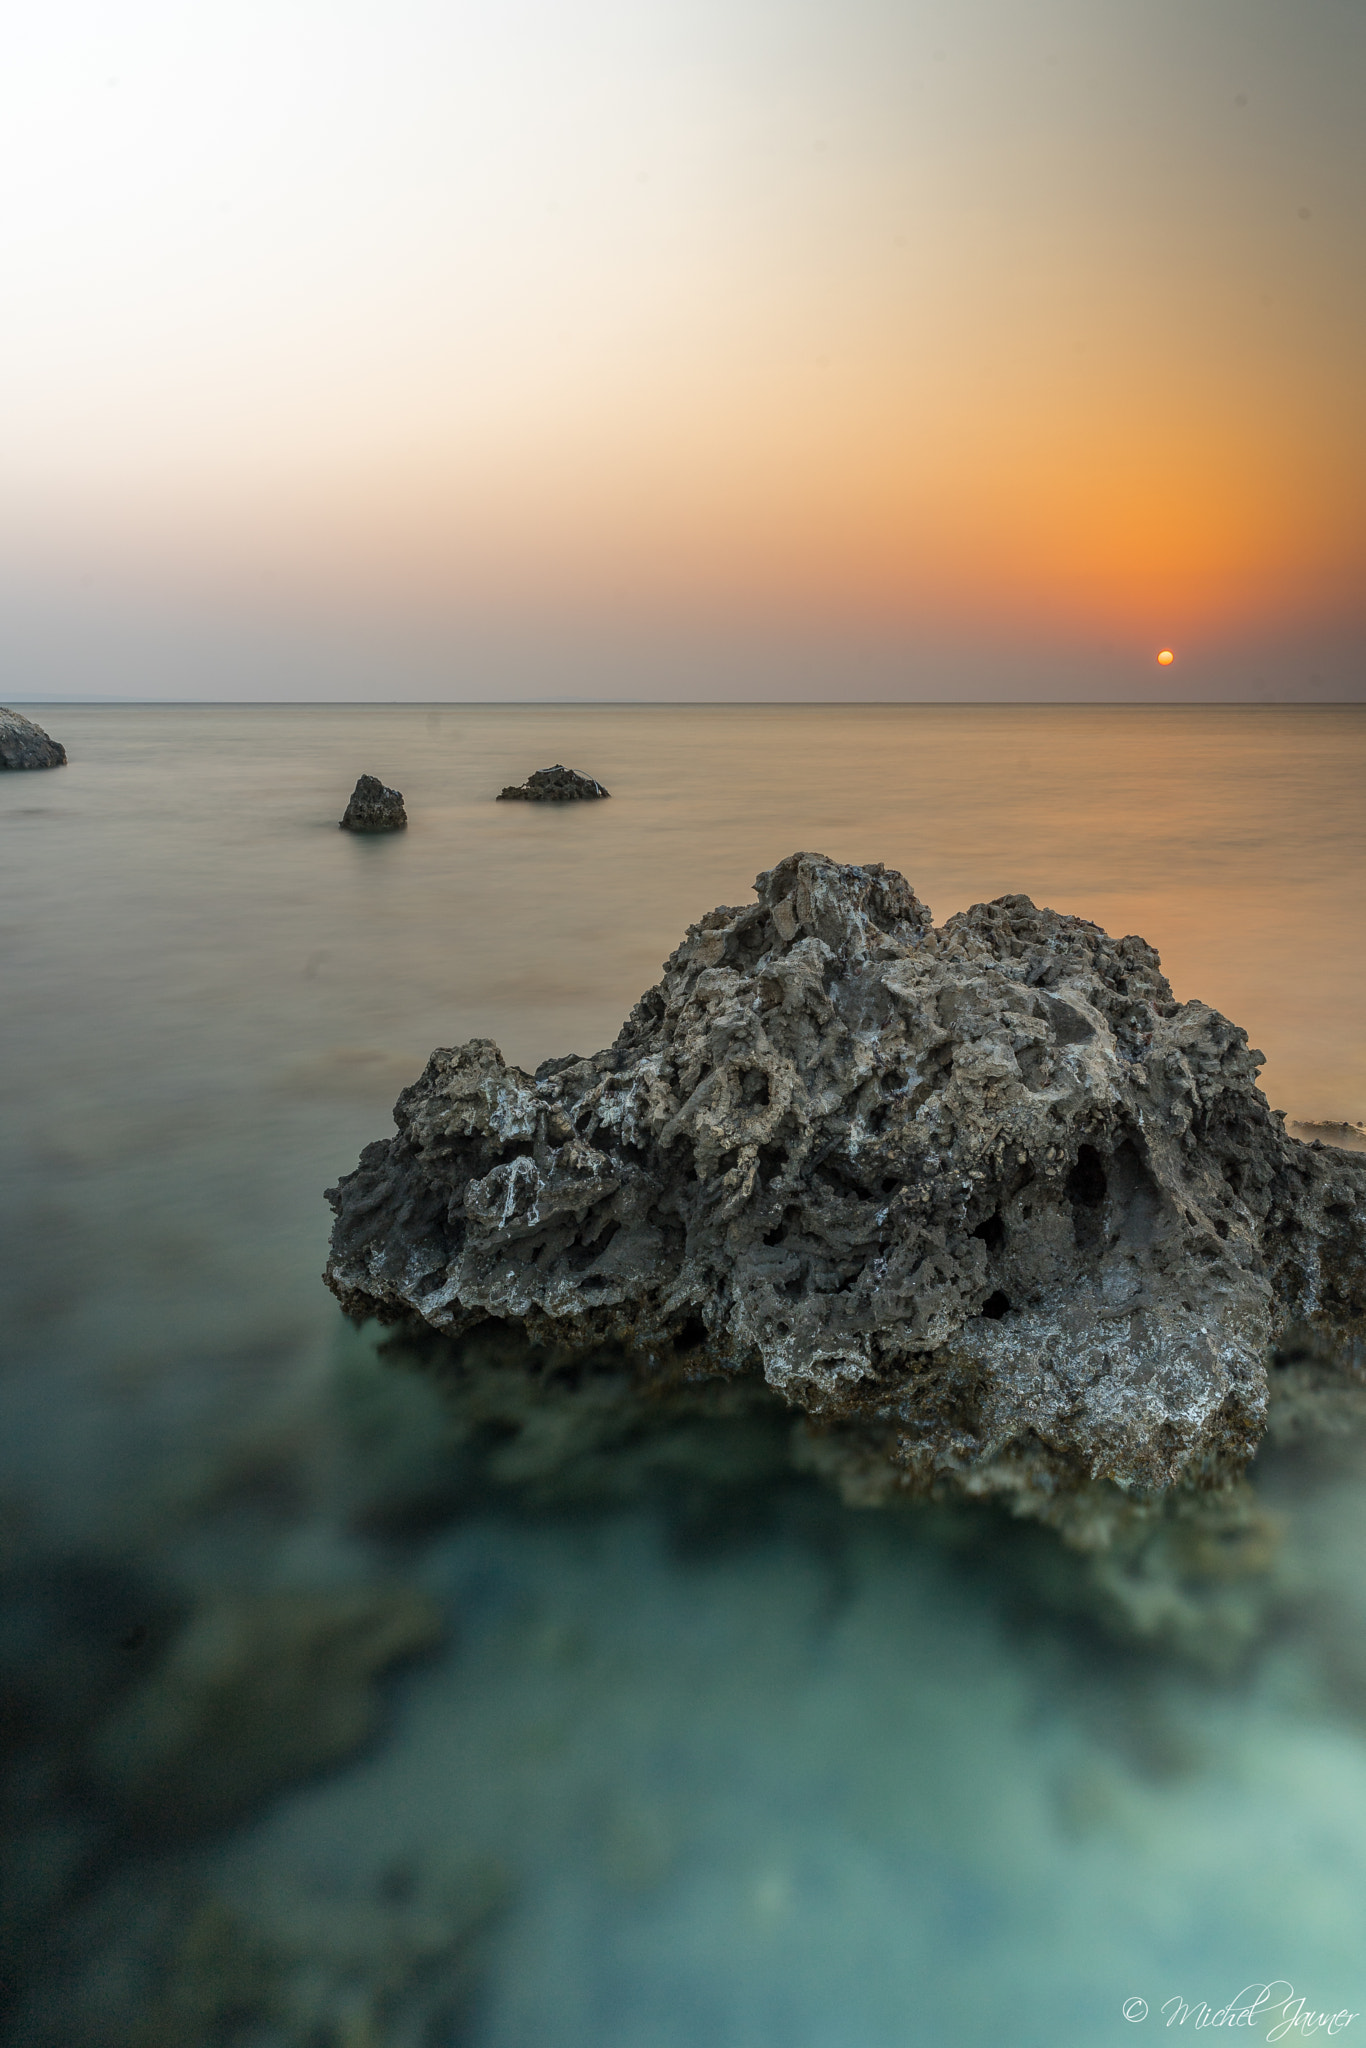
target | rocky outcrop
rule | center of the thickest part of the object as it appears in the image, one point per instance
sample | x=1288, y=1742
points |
x=373, y=808
x=984, y=1202
x=557, y=785
x=25, y=745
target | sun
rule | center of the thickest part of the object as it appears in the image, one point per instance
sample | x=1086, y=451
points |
x=1166, y=658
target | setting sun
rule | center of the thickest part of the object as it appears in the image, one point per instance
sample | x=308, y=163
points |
x=1166, y=657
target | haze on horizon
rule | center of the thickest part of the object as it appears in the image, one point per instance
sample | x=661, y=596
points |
x=684, y=350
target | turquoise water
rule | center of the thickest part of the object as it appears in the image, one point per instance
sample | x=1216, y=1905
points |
x=716, y=1760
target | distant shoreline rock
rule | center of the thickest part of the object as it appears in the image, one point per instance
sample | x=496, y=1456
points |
x=557, y=785
x=373, y=808
x=25, y=745
x=1349, y=1137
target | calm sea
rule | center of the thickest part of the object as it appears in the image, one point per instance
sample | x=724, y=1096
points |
x=805, y=1779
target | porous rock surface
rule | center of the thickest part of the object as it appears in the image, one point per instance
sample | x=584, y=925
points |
x=985, y=1202
x=25, y=745
x=557, y=785
x=373, y=808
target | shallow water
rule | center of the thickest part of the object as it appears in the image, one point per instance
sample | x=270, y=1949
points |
x=788, y=1775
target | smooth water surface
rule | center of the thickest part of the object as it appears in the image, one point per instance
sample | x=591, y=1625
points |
x=789, y=1776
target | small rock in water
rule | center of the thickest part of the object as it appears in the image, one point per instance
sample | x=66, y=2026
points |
x=373, y=808
x=25, y=745
x=557, y=785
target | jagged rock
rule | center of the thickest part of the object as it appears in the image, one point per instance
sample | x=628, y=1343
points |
x=557, y=785
x=985, y=1202
x=373, y=808
x=25, y=745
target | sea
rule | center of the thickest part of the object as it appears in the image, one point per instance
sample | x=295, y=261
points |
x=333, y=1723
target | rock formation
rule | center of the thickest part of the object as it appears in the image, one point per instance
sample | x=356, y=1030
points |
x=557, y=785
x=984, y=1202
x=373, y=808
x=25, y=745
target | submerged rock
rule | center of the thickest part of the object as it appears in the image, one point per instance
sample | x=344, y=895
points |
x=557, y=785
x=1195, y=1573
x=254, y=1693
x=25, y=745
x=167, y=1954
x=985, y=1203
x=373, y=808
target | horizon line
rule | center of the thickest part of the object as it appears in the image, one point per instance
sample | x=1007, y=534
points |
x=716, y=703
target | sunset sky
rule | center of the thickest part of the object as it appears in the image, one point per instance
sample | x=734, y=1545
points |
x=684, y=348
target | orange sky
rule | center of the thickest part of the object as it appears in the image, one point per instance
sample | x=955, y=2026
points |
x=961, y=327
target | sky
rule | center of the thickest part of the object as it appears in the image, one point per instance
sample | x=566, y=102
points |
x=683, y=349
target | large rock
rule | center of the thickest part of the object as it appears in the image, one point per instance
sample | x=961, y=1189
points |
x=557, y=785
x=373, y=808
x=25, y=745
x=985, y=1202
